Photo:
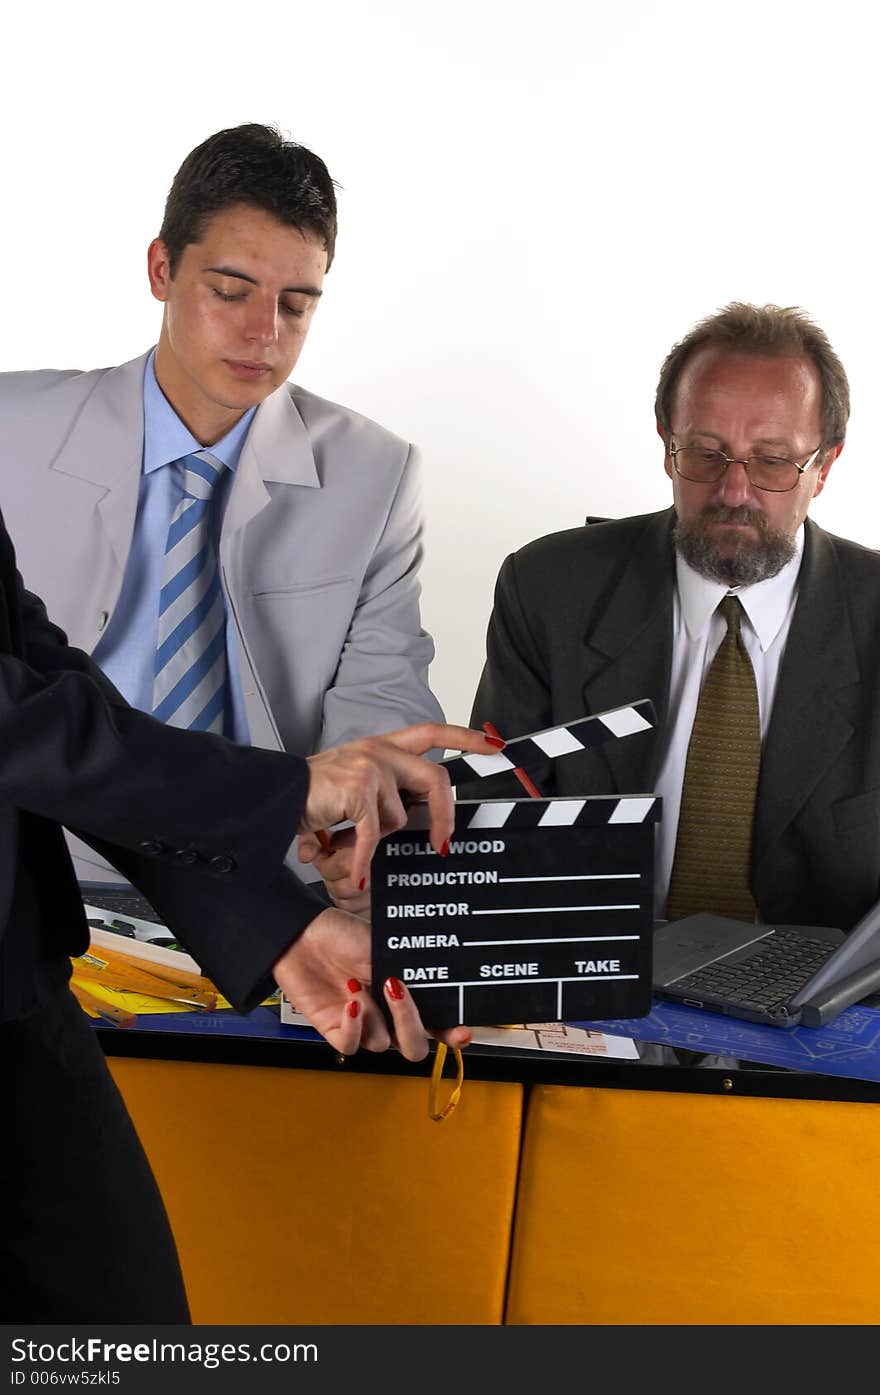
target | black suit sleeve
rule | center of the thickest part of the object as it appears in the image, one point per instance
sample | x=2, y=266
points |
x=514, y=690
x=46, y=648
x=200, y=825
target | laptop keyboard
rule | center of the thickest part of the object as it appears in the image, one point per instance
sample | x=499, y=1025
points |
x=772, y=974
x=122, y=903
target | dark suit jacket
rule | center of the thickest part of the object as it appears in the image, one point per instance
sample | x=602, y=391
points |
x=200, y=825
x=583, y=622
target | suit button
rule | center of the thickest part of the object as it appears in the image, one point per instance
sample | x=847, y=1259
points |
x=222, y=863
x=184, y=857
x=153, y=847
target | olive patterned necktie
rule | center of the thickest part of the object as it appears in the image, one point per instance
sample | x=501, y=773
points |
x=711, y=870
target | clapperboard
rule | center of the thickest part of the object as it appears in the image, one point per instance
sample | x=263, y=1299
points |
x=542, y=911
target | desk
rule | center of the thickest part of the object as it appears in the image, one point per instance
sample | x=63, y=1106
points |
x=312, y=1195
x=560, y=1191
x=640, y=1207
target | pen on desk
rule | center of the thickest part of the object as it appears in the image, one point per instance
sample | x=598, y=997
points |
x=120, y=972
x=181, y=979
x=528, y=785
x=96, y=1007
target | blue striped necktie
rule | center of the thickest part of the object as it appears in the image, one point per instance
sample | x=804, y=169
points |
x=190, y=674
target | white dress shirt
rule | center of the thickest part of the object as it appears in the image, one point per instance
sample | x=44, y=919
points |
x=697, y=632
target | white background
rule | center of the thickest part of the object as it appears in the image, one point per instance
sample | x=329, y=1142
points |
x=537, y=200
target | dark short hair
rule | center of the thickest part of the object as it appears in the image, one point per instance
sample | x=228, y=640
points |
x=762, y=329
x=255, y=165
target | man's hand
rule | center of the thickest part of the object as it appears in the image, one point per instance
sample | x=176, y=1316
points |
x=326, y=975
x=361, y=781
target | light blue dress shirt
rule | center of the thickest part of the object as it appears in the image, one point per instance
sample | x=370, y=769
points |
x=127, y=648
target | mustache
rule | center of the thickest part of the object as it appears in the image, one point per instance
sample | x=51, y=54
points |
x=722, y=513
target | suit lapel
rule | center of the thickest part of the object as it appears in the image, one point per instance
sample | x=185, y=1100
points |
x=104, y=449
x=629, y=650
x=7, y=594
x=808, y=728
x=277, y=450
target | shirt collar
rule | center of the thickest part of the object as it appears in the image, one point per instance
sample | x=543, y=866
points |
x=766, y=603
x=167, y=439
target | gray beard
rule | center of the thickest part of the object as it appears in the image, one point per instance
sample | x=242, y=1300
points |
x=750, y=562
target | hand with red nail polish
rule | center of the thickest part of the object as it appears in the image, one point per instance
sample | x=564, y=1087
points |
x=325, y=974
x=408, y=1029
x=334, y=862
x=361, y=782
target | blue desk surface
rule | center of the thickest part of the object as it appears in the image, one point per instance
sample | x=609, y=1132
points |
x=263, y=1024
x=848, y=1047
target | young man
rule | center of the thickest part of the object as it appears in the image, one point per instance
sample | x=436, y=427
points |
x=289, y=617
x=773, y=813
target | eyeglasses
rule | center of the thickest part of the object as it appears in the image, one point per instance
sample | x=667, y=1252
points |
x=775, y=473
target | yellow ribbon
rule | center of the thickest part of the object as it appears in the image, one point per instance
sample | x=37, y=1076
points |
x=434, y=1111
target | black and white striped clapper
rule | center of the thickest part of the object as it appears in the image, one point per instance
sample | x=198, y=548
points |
x=613, y=809
x=541, y=910
x=530, y=751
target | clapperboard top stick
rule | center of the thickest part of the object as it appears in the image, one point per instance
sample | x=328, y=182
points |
x=529, y=751
x=585, y=811
x=537, y=746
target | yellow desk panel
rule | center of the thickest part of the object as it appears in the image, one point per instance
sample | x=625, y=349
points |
x=650, y=1207
x=301, y=1196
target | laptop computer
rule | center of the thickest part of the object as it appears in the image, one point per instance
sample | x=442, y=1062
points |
x=781, y=975
x=120, y=907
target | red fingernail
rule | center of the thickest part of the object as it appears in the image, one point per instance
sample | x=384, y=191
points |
x=354, y=986
x=394, y=988
x=496, y=741
x=362, y=884
x=445, y=849
x=353, y=1009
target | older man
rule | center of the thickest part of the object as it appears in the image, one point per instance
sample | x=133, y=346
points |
x=768, y=761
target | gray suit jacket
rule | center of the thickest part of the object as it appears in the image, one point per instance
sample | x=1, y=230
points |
x=320, y=548
x=583, y=622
